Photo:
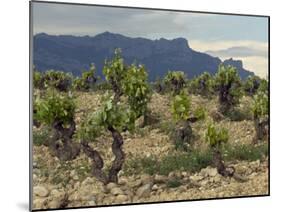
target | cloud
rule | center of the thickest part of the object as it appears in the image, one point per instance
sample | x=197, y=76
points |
x=238, y=51
x=254, y=54
x=206, y=45
x=154, y=24
x=258, y=64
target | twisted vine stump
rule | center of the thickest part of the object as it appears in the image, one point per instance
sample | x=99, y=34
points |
x=177, y=85
x=223, y=170
x=61, y=144
x=261, y=128
x=119, y=155
x=219, y=164
x=225, y=99
x=98, y=163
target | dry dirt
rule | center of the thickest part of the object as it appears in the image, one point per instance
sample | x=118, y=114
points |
x=70, y=184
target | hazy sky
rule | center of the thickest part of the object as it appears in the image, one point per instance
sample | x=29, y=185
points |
x=240, y=37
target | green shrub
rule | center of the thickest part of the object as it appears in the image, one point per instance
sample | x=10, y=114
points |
x=135, y=86
x=175, y=81
x=54, y=107
x=216, y=137
x=115, y=72
x=110, y=114
x=38, y=80
x=260, y=114
x=56, y=110
x=200, y=113
x=228, y=84
x=202, y=85
x=57, y=79
x=260, y=106
x=182, y=133
x=87, y=80
x=263, y=86
x=181, y=107
x=251, y=85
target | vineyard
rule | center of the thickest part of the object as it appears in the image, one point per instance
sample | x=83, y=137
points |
x=119, y=138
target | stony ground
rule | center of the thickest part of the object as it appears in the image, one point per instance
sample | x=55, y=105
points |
x=70, y=184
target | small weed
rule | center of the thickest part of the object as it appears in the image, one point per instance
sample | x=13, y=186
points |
x=239, y=114
x=191, y=161
x=174, y=183
x=200, y=113
x=245, y=152
x=41, y=136
x=140, y=165
x=166, y=127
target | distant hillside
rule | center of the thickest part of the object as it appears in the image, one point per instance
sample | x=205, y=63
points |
x=74, y=53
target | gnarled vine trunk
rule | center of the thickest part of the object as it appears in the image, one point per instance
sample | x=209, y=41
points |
x=183, y=134
x=219, y=164
x=61, y=144
x=225, y=99
x=203, y=87
x=116, y=89
x=119, y=155
x=177, y=85
x=98, y=164
x=260, y=128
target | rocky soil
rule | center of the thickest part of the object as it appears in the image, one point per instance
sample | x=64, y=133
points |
x=145, y=188
x=70, y=184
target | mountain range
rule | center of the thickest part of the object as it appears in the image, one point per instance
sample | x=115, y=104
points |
x=75, y=53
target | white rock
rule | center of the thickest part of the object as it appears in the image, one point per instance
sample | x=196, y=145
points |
x=154, y=187
x=204, y=182
x=184, y=174
x=196, y=178
x=110, y=186
x=72, y=173
x=92, y=203
x=135, y=183
x=39, y=203
x=144, y=190
x=75, y=177
x=121, y=198
x=208, y=172
x=116, y=191
x=160, y=179
x=54, y=204
x=122, y=181
x=40, y=191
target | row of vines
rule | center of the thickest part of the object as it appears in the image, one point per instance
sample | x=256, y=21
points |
x=126, y=95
